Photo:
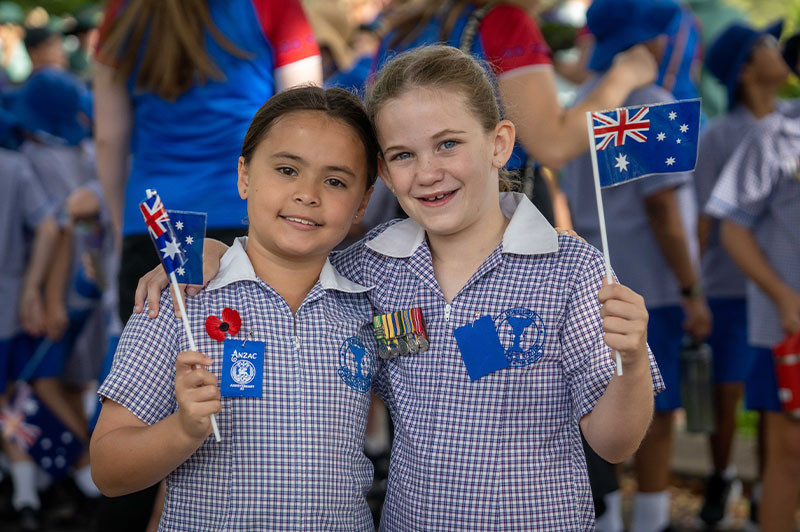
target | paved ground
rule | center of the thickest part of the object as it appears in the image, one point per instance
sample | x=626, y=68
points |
x=690, y=466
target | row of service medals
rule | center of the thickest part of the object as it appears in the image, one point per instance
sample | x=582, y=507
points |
x=400, y=333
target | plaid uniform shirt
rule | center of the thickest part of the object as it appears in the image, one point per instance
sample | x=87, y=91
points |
x=291, y=459
x=759, y=189
x=718, y=142
x=503, y=452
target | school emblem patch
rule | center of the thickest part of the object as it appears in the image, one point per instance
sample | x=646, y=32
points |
x=243, y=371
x=526, y=330
x=356, y=364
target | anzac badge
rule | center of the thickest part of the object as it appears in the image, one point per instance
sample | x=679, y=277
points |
x=400, y=333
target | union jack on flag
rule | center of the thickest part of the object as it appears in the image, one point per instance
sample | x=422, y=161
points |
x=663, y=140
x=12, y=421
x=618, y=129
x=155, y=216
x=167, y=244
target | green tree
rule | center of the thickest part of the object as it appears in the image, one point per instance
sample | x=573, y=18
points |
x=763, y=11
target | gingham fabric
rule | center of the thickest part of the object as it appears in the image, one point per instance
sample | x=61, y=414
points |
x=721, y=276
x=635, y=254
x=760, y=189
x=289, y=460
x=503, y=452
x=23, y=206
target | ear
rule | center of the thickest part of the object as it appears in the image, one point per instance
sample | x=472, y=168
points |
x=504, y=135
x=363, y=207
x=384, y=174
x=244, y=179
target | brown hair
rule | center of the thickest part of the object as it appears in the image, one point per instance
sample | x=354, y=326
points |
x=439, y=67
x=336, y=103
x=409, y=20
x=164, y=41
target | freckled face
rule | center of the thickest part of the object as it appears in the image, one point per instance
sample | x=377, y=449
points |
x=439, y=160
x=304, y=185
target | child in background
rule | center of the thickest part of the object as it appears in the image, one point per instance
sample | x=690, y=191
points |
x=653, y=248
x=502, y=452
x=750, y=67
x=291, y=454
x=50, y=107
x=45, y=47
x=28, y=237
x=757, y=197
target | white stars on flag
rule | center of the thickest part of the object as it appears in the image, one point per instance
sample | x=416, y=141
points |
x=171, y=249
x=622, y=162
x=180, y=271
x=673, y=115
x=179, y=226
x=670, y=161
x=684, y=128
x=678, y=141
x=661, y=136
x=189, y=240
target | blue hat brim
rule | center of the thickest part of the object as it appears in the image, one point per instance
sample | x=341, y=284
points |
x=30, y=118
x=775, y=29
x=606, y=49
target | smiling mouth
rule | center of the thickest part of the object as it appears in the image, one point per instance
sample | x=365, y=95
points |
x=433, y=198
x=301, y=221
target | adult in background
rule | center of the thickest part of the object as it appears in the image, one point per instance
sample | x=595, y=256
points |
x=509, y=39
x=176, y=84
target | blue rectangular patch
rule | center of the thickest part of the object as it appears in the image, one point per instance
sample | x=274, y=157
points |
x=242, y=368
x=480, y=348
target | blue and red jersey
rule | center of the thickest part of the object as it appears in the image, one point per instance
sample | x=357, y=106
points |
x=188, y=149
x=507, y=38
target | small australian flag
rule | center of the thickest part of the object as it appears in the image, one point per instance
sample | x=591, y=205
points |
x=637, y=141
x=34, y=428
x=162, y=233
x=190, y=229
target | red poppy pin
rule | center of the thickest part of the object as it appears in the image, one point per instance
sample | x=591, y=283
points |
x=230, y=323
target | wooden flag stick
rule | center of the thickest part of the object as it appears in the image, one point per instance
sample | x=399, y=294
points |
x=601, y=214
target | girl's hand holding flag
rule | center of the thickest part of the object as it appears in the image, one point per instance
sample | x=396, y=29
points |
x=634, y=142
x=173, y=259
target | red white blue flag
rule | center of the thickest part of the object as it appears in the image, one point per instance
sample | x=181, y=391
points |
x=35, y=429
x=167, y=243
x=642, y=140
x=190, y=228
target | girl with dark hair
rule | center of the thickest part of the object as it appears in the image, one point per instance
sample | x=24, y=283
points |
x=294, y=353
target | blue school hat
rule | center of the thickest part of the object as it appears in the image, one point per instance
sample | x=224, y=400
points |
x=51, y=102
x=791, y=52
x=620, y=24
x=729, y=52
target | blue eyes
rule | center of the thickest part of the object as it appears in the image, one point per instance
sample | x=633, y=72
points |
x=445, y=145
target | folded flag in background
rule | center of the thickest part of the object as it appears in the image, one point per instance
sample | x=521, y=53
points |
x=637, y=141
x=35, y=429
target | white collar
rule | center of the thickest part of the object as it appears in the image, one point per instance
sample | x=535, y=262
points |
x=528, y=232
x=235, y=266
